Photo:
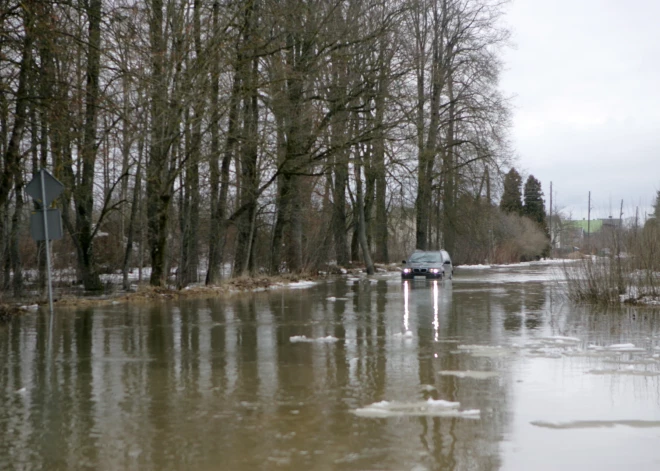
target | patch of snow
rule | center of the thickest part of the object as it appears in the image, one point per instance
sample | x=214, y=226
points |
x=473, y=267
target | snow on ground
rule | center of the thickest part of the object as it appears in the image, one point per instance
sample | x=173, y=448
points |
x=545, y=261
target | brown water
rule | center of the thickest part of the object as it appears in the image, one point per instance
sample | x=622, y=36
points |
x=531, y=383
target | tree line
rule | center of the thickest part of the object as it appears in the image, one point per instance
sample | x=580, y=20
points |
x=271, y=135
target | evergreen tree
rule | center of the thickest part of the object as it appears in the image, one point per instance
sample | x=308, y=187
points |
x=534, y=205
x=511, y=198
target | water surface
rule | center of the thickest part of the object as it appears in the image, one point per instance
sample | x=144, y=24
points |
x=492, y=370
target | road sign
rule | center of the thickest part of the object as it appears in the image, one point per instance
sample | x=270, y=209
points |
x=47, y=223
x=52, y=187
x=54, y=221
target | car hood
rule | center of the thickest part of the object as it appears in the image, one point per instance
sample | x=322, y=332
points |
x=423, y=265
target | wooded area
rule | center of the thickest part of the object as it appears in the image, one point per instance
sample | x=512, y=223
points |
x=273, y=135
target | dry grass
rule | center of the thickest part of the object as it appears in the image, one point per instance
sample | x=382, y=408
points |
x=631, y=274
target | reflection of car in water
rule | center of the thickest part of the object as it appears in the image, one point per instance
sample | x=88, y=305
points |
x=429, y=264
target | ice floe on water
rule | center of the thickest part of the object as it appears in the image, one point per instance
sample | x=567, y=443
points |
x=470, y=374
x=428, y=408
x=628, y=371
x=576, y=424
x=561, y=339
x=492, y=351
x=301, y=284
x=302, y=338
x=625, y=347
x=404, y=335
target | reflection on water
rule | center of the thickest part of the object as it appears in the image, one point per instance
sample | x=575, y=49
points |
x=472, y=374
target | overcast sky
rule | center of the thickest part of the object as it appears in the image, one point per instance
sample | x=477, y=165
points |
x=585, y=81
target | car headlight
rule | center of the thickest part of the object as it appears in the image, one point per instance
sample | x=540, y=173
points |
x=407, y=270
x=434, y=270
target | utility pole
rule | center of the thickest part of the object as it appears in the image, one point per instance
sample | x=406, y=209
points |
x=552, y=242
x=589, y=224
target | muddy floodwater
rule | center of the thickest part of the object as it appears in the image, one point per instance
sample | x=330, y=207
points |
x=491, y=370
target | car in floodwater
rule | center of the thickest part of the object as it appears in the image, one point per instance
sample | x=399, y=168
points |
x=430, y=264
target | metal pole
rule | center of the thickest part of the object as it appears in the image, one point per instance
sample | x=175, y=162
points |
x=589, y=225
x=552, y=242
x=45, y=213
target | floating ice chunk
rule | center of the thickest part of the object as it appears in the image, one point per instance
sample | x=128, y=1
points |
x=625, y=347
x=429, y=408
x=618, y=346
x=562, y=339
x=470, y=374
x=302, y=338
x=405, y=335
x=301, y=284
x=596, y=424
x=442, y=403
x=487, y=350
x=630, y=371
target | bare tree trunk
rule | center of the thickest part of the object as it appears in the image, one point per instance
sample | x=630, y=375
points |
x=249, y=179
x=220, y=176
x=448, y=195
x=361, y=223
x=16, y=222
x=339, y=219
x=427, y=153
x=84, y=192
x=135, y=204
x=12, y=156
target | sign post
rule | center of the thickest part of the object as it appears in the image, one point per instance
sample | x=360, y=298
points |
x=44, y=188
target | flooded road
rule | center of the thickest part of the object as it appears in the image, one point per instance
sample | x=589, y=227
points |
x=492, y=370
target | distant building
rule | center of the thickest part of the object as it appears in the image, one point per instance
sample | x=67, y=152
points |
x=577, y=235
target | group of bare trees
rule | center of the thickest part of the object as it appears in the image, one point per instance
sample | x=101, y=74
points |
x=274, y=135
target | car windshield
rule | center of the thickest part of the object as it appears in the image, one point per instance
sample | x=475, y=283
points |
x=420, y=257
